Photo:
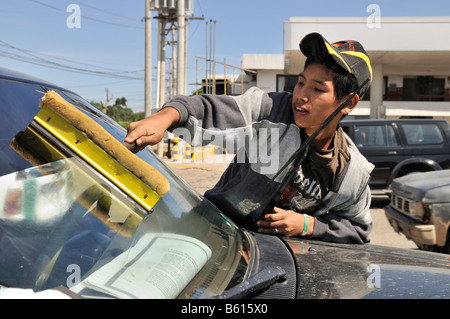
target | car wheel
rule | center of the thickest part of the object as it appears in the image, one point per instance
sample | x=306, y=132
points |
x=447, y=244
x=437, y=249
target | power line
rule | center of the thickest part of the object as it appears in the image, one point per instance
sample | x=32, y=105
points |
x=87, y=17
x=34, y=58
x=36, y=54
x=104, y=11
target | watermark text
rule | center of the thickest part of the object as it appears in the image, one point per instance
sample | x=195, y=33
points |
x=374, y=19
x=73, y=21
x=374, y=278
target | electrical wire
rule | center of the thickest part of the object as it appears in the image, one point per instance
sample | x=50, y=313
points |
x=104, y=11
x=35, y=58
x=88, y=17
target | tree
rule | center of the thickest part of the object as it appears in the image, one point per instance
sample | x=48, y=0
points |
x=121, y=101
x=119, y=111
x=98, y=105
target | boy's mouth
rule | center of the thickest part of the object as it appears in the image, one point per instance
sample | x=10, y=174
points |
x=301, y=110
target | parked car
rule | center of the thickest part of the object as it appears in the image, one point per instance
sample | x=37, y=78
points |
x=420, y=209
x=65, y=229
x=400, y=147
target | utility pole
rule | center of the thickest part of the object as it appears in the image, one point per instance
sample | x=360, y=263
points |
x=162, y=61
x=181, y=19
x=173, y=74
x=148, y=59
x=162, y=74
x=170, y=12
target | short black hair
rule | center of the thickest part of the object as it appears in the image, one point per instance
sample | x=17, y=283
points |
x=344, y=83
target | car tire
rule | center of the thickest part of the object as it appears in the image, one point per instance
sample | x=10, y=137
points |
x=432, y=248
x=447, y=243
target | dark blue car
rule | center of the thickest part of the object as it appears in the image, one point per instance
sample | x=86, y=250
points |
x=66, y=230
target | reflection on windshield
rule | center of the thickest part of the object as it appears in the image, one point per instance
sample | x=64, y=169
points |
x=61, y=224
x=54, y=216
x=158, y=266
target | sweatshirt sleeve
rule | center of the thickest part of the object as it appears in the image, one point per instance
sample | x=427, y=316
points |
x=333, y=227
x=225, y=121
x=219, y=111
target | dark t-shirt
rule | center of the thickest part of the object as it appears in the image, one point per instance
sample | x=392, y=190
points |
x=316, y=175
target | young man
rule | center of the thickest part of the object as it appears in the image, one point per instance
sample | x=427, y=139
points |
x=328, y=198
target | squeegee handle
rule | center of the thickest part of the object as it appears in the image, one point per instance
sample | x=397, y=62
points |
x=129, y=146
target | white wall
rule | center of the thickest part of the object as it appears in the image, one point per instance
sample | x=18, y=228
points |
x=393, y=34
x=397, y=109
x=267, y=80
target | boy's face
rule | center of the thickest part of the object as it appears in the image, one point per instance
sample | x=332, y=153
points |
x=314, y=98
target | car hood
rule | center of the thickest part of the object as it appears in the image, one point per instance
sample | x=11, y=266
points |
x=434, y=186
x=327, y=270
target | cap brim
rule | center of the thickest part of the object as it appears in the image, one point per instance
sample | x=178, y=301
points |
x=314, y=44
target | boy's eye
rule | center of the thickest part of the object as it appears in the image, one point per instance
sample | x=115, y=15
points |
x=319, y=90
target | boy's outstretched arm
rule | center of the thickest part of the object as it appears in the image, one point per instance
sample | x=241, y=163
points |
x=150, y=131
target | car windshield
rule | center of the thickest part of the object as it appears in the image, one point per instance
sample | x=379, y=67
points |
x=63, y=224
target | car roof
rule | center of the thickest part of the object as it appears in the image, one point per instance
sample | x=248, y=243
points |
x=9, y=74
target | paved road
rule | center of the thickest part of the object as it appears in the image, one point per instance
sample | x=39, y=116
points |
x=202, y=176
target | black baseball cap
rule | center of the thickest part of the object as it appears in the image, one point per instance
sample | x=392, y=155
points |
x=349, y=55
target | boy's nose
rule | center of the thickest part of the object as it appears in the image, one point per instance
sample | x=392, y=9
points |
x=301, y=94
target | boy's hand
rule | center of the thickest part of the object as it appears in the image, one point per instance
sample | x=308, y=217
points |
x=150, y=130
x=285, y=222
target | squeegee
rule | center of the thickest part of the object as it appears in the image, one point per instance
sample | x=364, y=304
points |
x=89, y=141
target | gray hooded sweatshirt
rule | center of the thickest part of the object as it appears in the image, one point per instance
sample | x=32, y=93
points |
x=260, y=128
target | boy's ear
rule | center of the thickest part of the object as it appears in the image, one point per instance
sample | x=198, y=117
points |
x=351, y=105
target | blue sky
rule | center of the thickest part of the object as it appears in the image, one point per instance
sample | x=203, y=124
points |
x=107, y=50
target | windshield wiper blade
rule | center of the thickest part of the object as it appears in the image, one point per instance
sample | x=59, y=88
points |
x=261, y=280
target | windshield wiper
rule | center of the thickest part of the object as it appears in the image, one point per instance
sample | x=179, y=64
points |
x=261, y=280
